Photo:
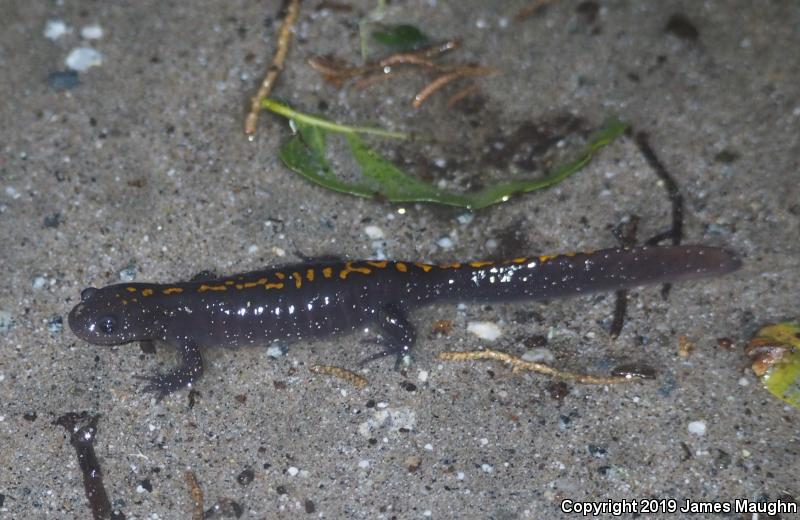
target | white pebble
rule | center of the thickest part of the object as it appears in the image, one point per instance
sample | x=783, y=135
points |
x=253, y=249
x=274, y=351
x=363, y=464
x=491, y=244
x=485, y=330
x=83, y=58
x=539, y=355
x=487, y=468
x=92, y=32
x=374, y=232
x=429, y=447
x=422, y=376
x=12, y=192
x=743, y=381
x=445, y=242
x=292, y=471
x=39, y=282
x=465, y=218
x=55, y=29
x=697, y=427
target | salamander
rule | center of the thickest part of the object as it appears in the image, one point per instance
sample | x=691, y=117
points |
x=324, y=297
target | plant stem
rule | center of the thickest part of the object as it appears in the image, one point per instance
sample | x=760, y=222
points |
x=287, y=111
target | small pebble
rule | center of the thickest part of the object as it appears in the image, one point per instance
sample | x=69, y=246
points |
x=445, y=242
x=363, y=464
x=128, y=274
x=83, y=58
x=92, y=32
x=292, y=471
x=63, y=80
x=697, y=428
x=374, y=232
x=38, y=283
x=539, y=355
x=6, y=323
x=55, y=324
x=55, y=29
x=465, y=218
x=275, y=351
x=485, y=330
x=422, y=376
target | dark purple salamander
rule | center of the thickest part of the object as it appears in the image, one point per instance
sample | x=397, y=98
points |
x=321, y=298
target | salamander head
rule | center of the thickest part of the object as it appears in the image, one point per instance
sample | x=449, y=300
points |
x=111, y=315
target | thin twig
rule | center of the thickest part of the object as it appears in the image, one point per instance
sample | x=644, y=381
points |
x=529, y=9
x=444, y=79
x=519, y=364
x=196, y=492
x=342, y=373
x=284, y=38
x=461, y=94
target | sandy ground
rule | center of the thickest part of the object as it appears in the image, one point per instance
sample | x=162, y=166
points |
x=140, y=170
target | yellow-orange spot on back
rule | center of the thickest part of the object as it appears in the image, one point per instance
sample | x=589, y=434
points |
x=298, y=280
x=131, y=289
x=519, y=260
x=172, y=290
x=147, y=292
x=239, y=286
x=546, y=258
x=229, y=282
x=350, y=268
x=400, y=266
x=206, y=287
x=380, y=265
x=273, y=286
x=451, y=265
x=327, y=272
x=124, y=302
x=571, y=253
x=424, y=267
x=280, y=276
x=310, y=275
x=480, y=264
x=250, y=285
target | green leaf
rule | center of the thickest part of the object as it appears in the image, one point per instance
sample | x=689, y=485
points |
x=306, y=154
x=778, y=349
x=401, y=37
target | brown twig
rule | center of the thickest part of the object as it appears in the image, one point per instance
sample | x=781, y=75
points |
x=461, y=94
x=337, y=71
x=196, y=492
x=529, y=9
x=284, y=38
x=519, y=364
x=444, y=79
x=342, y=373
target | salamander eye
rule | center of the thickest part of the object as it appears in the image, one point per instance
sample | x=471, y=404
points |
x=87, y=293
x=106, y=324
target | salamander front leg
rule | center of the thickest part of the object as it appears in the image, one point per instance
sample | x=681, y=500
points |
x=398, y=335
x=189, y=371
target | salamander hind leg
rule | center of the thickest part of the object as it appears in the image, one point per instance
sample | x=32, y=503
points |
x=188, y=372
x=398, y=335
